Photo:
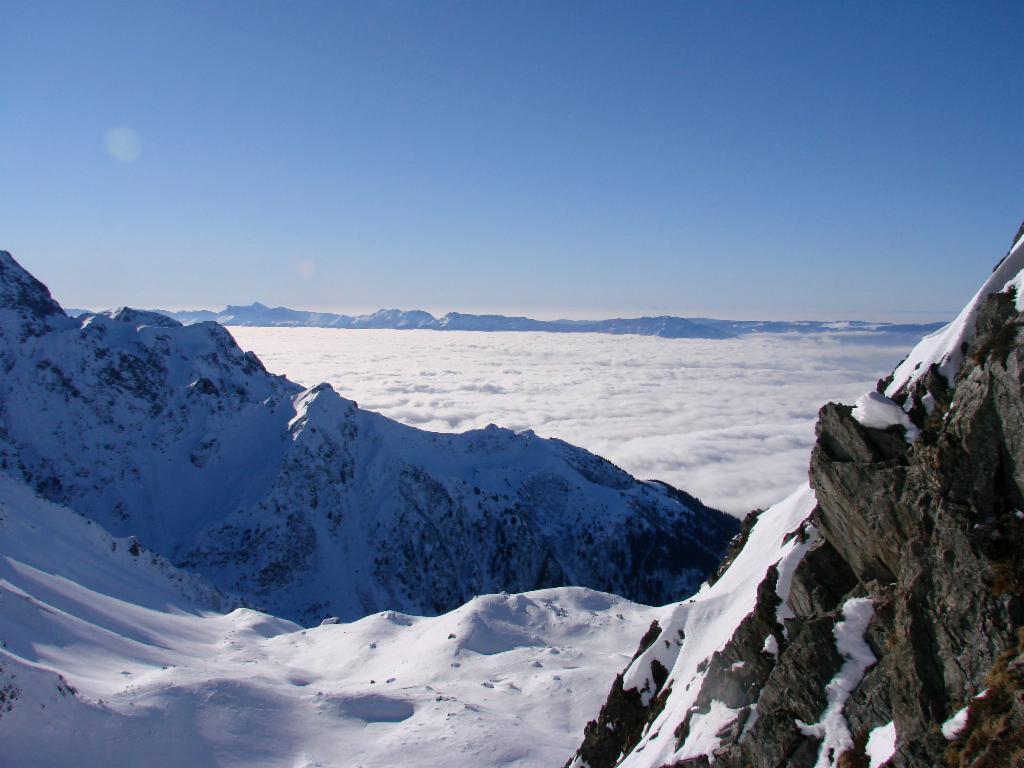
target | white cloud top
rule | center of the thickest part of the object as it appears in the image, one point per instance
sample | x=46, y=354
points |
x=730, y=421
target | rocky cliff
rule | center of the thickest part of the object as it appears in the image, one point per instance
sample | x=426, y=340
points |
x=881, y=608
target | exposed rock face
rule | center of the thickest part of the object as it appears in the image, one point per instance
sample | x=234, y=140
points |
x=298, y=500
x=932, y=534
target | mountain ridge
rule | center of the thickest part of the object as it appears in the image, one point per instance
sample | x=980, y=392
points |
x=298, y=500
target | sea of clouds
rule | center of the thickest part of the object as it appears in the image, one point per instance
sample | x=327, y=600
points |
x=731, y=422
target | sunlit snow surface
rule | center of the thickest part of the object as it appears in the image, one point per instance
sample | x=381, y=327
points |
x=159, y=681
x=731, y=421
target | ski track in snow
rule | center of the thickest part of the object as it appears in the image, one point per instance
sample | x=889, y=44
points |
x=730, y=421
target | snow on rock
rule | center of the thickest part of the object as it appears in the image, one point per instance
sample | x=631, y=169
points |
x=695, y=629
x=113, y=658
x=299, y=501
x=1016, y=284
x=944, y=348
x=881, y=745
x=877, y=411
x=787, y=567
x=832, y=728
x=953, y=727
x=705, y=728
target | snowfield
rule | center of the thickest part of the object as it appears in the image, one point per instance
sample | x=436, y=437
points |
x=729, y=420
x=109, y=657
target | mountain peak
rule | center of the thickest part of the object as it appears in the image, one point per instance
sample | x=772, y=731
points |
x=21, y=292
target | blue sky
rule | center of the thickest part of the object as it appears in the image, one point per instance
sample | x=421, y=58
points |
x=552, y=158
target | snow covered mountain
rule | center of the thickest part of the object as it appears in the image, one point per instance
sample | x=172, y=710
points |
x=664, y=326
x=876, y=616
x=111, y=656
x=300, y=502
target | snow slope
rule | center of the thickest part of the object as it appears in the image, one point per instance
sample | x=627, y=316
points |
x=299, y=501
x=108, y=656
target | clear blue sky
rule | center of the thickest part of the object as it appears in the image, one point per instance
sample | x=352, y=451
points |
x=555, y=158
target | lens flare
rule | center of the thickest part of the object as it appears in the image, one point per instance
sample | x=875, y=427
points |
x=124, y=144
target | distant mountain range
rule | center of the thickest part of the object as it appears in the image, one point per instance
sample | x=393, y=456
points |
x=665, y=326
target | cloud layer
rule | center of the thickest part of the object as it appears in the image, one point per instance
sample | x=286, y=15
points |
x=731, y=422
